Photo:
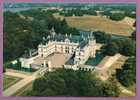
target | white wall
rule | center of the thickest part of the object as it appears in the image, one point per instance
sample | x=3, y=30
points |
x=54, y=46
x=25, y=62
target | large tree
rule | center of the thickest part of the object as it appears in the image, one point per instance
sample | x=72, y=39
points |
x=111, y=49
x=102, y=37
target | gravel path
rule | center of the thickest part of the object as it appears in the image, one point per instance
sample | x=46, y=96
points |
x=20, y=75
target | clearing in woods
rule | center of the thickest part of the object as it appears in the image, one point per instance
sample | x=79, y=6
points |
x=100, y=23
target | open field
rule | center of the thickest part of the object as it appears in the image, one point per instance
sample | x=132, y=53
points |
x=9, y=81
x=100, y=23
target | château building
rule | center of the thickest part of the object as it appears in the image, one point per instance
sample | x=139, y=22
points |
x=80, y=50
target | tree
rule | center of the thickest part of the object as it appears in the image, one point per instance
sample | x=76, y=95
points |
x=48, y=92
x=110, y=87
x=117, y=16
x=111, y=49
x=22, y=33
x=4, y=69
x=102, y=37
x=133, y=35
x=67, y=82
x=39, y=85
x=127, y=75
x=134, y=25
x=129, y=48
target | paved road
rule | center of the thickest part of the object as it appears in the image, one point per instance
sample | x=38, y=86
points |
x=14, y=88
x=103, y=68
x=105, y=65
x=20, y=75
x=107, y=62
x=125, y=90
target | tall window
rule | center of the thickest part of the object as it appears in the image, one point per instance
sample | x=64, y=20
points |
x=72, y=50
x=67, y=49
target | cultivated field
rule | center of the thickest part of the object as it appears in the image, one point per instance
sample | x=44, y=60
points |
x=100, y=23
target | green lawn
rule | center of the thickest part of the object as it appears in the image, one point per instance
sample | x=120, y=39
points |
x=9, y=81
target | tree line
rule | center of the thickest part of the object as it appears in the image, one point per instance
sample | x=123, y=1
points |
x=78, y=12
x=125, y=45
x=127, y=75
x=67, y=82
x=118, y=16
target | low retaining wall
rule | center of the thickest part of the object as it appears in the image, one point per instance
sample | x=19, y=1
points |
x=108, y=62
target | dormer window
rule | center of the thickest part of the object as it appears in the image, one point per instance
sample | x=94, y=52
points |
x=67, y=40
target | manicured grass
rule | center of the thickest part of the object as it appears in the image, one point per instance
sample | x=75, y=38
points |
x=99, y=23
x=9, y=81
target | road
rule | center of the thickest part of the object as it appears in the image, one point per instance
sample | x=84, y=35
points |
x=14, y=88
x=108, y=61
x=27, y=79
x=103, y=73
x=20, y=75
x=125, y=90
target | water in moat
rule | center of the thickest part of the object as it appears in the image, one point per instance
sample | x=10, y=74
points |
x=99, y=55
x=95, y=61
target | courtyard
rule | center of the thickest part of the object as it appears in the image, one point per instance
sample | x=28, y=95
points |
x=56, y=59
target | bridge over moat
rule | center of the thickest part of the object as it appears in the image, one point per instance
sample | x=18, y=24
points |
x=86, y=67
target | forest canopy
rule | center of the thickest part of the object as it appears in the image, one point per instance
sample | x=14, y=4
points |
x=24, y=31
x=67, y=82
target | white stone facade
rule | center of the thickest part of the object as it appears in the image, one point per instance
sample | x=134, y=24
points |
x=81, y=54
x=58, y=47
x=26, y=62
